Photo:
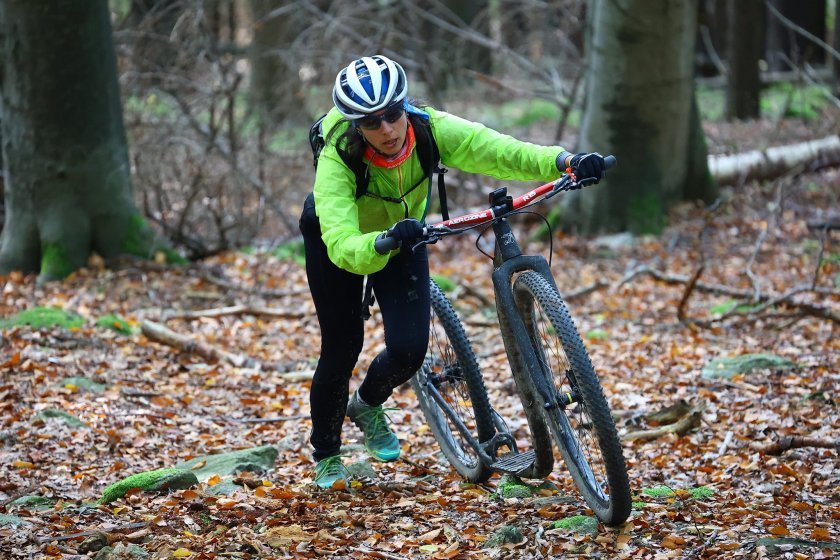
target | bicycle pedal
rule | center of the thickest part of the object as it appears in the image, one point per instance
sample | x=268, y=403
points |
x=514, y=463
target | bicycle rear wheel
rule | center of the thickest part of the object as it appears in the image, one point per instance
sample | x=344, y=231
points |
x=450, y=381
x=581, y=421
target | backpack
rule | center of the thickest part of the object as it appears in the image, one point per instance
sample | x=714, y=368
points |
x=427, y=151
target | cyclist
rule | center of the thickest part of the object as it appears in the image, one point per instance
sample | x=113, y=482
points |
x=374, y=122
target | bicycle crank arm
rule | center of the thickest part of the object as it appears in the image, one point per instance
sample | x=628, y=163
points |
x=462, y=428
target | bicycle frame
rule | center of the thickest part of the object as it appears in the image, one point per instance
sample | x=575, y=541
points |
x=510, y=261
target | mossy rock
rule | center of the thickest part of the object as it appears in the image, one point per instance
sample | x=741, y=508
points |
x=583, y=524
x=121, y=552
x=224, y=488
x=32, y=503
x=61, y=415
x=510, y=486
x=774, y=544
x=727, y=368
x=255, y=460
x=43, y=317
x=82, y=384
x=115, y=323
x=506, y=534
x=362, y=469
x=11, y=521
x=150, y=481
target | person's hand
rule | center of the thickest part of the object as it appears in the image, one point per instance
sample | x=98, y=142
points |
x=588, y=167
x=406, y=231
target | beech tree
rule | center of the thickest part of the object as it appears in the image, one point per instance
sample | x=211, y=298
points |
x=67, y=186
x=640, y=106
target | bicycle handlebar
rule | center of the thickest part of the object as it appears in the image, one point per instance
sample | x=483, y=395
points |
x=432, y=233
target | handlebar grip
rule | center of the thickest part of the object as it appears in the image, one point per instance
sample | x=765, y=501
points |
x=384, y=244
x=610, y=161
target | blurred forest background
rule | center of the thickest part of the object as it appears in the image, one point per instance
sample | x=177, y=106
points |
x=217, y=95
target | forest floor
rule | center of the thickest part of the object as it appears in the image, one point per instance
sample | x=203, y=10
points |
x=719, y=490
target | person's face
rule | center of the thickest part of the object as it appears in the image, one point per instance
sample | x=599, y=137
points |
x=385, y=130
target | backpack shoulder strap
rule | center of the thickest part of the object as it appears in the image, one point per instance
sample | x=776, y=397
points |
x=359, y=169
x=429, y=154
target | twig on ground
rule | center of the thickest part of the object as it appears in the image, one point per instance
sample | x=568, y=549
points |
x=794, y=442
x=687, y=423
x=727, y=439
x=92, y=532
x=585, y=290
x=773, y=299
x=233, y=310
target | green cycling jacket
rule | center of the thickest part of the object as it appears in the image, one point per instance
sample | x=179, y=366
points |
x=349, y=226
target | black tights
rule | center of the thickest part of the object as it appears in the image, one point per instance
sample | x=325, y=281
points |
x=402, y=292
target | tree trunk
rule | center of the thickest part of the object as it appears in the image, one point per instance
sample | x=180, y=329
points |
x=836, y=44
x=275, y=84
x=153, y=53
x=745, y=36
x=786, y=49
x=67, y=176
x=640, y=111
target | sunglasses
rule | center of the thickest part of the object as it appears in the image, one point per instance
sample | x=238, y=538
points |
x=373, y=122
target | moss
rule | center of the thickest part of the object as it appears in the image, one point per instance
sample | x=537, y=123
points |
x=645, y=214
x=658, y=492
x=140, y=241
x=43, y=317
x=701, y=492
x=597, y=334
x=55, y=261
x=65, y=417
x=115, y=322
x=32, y=503
x=444, y=283
x=578, y=524
x=512, y=487
x=729, y=367
x=11, y=521
x=291, y=251
x=504, y=535
x=150, y=481
x=81, y=383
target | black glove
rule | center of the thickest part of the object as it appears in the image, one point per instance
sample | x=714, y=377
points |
x=588, y=166
x=406, y=231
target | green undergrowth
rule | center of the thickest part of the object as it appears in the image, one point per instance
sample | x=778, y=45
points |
x=115, y=323
x=43, y=317
x=50, y=317
x=657, y=492
x=291, y=251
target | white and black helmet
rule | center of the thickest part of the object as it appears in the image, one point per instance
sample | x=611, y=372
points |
x=367, y=85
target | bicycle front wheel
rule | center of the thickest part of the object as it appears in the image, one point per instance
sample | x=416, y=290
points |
x=451, y=392
x=580, y=418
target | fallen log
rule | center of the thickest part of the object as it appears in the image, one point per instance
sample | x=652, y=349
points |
x=159, y=333
x=774, y=162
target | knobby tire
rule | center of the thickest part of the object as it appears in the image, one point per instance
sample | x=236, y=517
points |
x=452, y=368
x=584, y=432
